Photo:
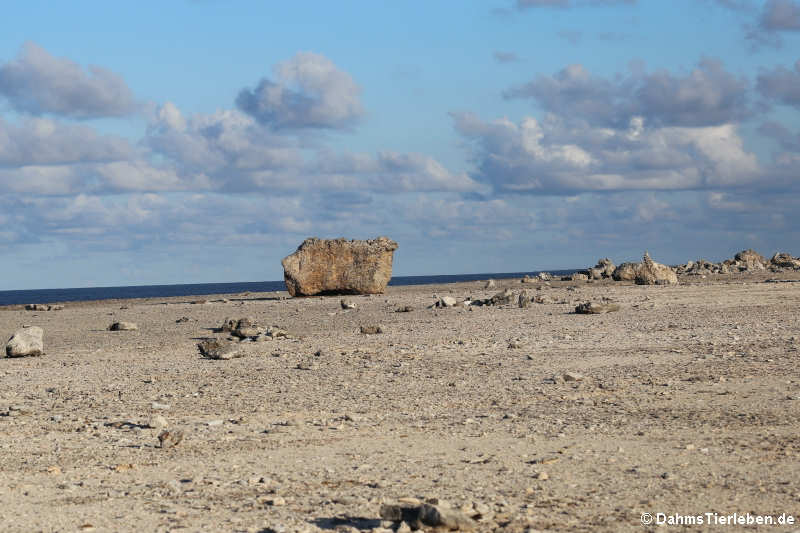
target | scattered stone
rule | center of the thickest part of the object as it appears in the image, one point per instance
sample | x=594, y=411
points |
x=160, y=406
x=425, y=514
x=652, y=273
x=182, y=319
x=276, y=501
x=228, y=325
x=404, y=309
x=572, y=376
x=578, y=276
x=371, y=330
x=527, y=279
x=784, y=260
x=542, y=476
x=339, y=266
x=157, y=422
x=544, y=276
x=490, y=284
x=594, y=308
x=217, y=349
x=276, y=332
x=170, y=439
x=503, y=297
x=26, y=342
x=347, y=304
x=123, y=326
x=43, y=307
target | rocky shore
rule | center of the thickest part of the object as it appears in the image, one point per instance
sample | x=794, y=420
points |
x=539, y=405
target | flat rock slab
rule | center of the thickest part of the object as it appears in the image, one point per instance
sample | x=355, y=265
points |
x=26, y=342
x=339, y=266
x=594, y=308
x=123, y=326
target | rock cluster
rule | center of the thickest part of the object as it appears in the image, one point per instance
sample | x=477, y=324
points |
x=746, y=261
x=652, y=273
x=44, y=307
x=339, y=266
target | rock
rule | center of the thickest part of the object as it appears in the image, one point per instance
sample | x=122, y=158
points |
x=594, y=308
x=276, y=332
x=784, y=260
x=750, y=256
x=371, y=330
x=502, y=298
x=123, y=326
x=578, y=276
x=425, y=514
x=25, y=342
x=347, y=304
x=606, y=266
x=157, y=422
x=339, y=266
x=446, y=301
x=490, y=284
x=182, y=319
x=626, y=271
x=572, y=376
x=228, y=325
x=544, y=276
x=404, y=309
x=652, y=273
x=524, y=300
x=170, y=439
x=527, y=279
x=216, y=349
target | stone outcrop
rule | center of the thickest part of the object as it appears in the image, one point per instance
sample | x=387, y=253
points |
x=339, y=266
x=784, y=260
x=626, y=271
x=26, y=342
x=652, y=273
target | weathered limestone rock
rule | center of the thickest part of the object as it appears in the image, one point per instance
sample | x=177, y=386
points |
x=524, y=300
x=421, y=515
x=784, y=260
x=26, y=342
x=652, y=273
x=603, y=269
x=216, y=349
x=626, y=271
x=750, y=256
x=339, y=266
x=503, y=297
x=594, y=308
x=122, y=326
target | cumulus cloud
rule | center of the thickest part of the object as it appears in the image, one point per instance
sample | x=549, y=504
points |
x=37, y=82
x=706, y=96
x=781, y=85
x=310, y=92
x=41, y=141
x=777, y=17
x=553, y=157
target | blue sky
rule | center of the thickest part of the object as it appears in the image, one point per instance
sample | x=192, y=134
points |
x=202, y=141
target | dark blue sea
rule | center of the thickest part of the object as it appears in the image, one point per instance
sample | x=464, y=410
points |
x=39, y=296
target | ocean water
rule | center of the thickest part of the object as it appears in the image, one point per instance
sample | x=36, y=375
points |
x=43, y=296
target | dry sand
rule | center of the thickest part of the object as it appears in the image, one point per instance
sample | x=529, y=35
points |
x=688, y=404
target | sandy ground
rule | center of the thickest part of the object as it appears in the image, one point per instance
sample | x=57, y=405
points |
x=686, y=402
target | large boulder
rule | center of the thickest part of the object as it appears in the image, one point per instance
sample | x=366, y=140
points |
x=339, y=266
x=784, y=260
x=652, y=273
x=626, y=271
x=26, y=342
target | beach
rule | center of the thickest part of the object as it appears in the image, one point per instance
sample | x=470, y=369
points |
x=682, y=404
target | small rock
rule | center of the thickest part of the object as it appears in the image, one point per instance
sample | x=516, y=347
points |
x=160, y=406
x=276, y=501
x=347, y=304
x=157, y=422
x=170, y=439
x=182, y=319
x=490, y=284
x=371, y=330
x=123, y=326
x=542, y=476
x=276, y=332
x=572, y=376
x=446, y=301
x=26, y=342
x=405, y=309
x=594, y=308
x=216, y=349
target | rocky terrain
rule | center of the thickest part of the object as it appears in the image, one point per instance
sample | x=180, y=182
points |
x=376, y=412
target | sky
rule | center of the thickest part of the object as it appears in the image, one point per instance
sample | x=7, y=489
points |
x=203, y=141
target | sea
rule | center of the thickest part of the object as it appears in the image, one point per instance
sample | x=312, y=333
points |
x=43, y=296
